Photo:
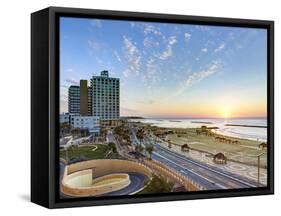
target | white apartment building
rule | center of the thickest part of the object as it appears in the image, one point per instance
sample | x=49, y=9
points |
x=64, y=118
x=92, y=123
x=106, y=98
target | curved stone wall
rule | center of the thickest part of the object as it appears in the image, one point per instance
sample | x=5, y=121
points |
x=77, y=179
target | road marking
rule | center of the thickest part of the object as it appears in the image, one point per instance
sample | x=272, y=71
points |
x=210, y=169
x=184, y=168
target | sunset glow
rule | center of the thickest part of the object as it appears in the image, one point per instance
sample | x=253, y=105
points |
x=170, y=70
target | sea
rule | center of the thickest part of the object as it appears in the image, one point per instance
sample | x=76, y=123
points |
x=253, y=133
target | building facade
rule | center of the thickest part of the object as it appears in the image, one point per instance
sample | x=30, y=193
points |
x=80, y=99
x=74, y=100
x=90, y=95
x=92, y=123
x=64, y=118
x=106, y=98
x=83, y=97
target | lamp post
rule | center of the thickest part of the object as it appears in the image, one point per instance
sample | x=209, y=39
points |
x=259, y=168
x=258, y=157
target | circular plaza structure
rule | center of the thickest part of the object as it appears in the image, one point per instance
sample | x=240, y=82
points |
x=104, y=177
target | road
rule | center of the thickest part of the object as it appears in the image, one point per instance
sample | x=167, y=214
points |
x=210, y=177
x=137, y=182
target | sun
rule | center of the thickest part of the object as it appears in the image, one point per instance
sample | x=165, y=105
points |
x=225, y=112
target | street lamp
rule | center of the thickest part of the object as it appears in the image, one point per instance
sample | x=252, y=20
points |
x=258, y=156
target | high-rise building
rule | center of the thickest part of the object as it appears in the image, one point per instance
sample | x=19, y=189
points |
x=80, y=99
x=106, y=98
x=90, y=95
x=74, y=100
x=83, y=97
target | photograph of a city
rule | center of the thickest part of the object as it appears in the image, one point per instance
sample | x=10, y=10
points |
x=151, y=108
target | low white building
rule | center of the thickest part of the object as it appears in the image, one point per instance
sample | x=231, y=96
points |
x=92, y=123
x=64, y=118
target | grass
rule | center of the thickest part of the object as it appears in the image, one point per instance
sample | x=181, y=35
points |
x=108, y=181
x=157, y=185
x=85, y=152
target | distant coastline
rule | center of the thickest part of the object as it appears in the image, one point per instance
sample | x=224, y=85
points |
x=253, y=129
x=202, y=122
x=132, y=117
x=239, y=125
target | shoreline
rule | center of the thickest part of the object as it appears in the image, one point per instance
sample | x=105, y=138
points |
x=240, y=152
x=255, y=132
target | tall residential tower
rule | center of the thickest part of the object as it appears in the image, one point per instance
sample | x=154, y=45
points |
x=80, y=99
x=106, y=98
x=74, y=100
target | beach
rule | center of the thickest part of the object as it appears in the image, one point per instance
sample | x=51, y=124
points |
x=234, y=127
x=238, y=149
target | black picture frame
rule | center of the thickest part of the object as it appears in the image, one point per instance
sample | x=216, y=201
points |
x=45, y=106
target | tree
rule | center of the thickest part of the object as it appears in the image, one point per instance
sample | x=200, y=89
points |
x=84, y=132
x=76, y=131
x=112, y=147
x=140, y=135
x=149, y=149
x=139, y=149
x=158, y=184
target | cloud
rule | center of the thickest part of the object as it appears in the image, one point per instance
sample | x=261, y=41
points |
x=117, y=56
x=132, y=56
x=151, y=76
x=187, y=37
x=95, y=45
x=129, y=112
x=150, y=29
x=220, y=47
x=72, y=81
x=150, y=101
x=202, y=27
x=204, y=50
x=172, y=40
x=196, y=77
x=168, y=52
x=96, y=23
x=63, y=98
x=63, y=93
x=147, y=42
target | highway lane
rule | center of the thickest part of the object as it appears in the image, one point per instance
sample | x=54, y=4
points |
x=137, y=182
x=210, y=177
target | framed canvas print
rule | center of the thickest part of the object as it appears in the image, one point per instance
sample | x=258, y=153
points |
x=138, y=107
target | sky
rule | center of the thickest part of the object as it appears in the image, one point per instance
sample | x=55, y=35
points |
x=169, y=70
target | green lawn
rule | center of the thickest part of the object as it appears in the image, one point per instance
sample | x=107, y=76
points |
x=85, y=152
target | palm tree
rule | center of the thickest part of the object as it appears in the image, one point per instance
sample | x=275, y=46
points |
x=169, y=144
x=139, y=148
x=140, y=135
x=112, y=147
x=149, y=148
